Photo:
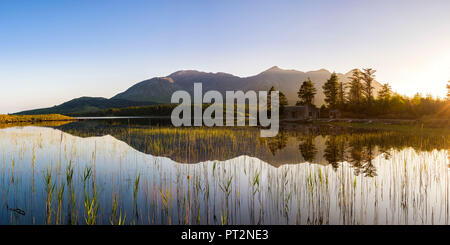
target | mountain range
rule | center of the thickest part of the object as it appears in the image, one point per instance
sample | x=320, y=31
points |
x=159, y=90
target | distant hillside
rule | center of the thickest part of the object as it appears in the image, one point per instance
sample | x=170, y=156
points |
x=83, y=105
x=159, y=90
x=287, y=81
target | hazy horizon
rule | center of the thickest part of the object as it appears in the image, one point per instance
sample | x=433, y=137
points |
x=54, y=51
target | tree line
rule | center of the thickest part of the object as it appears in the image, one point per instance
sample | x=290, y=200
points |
x=356, y=98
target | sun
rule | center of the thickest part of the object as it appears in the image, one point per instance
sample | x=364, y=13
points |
x=428, y=77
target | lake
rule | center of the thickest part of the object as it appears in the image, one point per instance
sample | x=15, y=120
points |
x=143, y=171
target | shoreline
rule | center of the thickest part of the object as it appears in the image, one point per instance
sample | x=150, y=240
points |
x=9, y=119
x=410, y=122
x=428, y=123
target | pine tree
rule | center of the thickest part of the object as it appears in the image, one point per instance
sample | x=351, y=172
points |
x=356, y=88
x=368, y=78
x=283, y=102
x=385, y=93
x=330, y=89
x=306, y=93
x=341, y=95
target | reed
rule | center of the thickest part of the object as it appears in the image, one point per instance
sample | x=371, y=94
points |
x=91, y=204
x=380, y=177
x=116, y=216
x=135, y=198
x=59, y=199
x=50, y=188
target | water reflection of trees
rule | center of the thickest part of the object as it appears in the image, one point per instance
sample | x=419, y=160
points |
x=369, y=169
x=302, y=144
x=359, y=154
x=307, y=148
x=277, y=143
x=332, y=152
x=357, y=150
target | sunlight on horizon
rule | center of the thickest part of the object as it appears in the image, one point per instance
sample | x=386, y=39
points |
x=430, y=77
x=54, y=52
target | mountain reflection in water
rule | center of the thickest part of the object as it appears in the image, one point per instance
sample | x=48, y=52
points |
x=147, y=172
x=319, y=144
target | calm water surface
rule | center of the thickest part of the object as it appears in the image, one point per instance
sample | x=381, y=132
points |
x=142, y=171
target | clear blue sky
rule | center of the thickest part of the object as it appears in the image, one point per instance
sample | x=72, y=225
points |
x=53, y=51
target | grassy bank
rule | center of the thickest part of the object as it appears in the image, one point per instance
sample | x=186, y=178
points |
x=34, y=118
x=414, y=128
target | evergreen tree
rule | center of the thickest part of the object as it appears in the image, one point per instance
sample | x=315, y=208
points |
x=368, y=78
x=283, y=102
x=356, y=88
x=330, y=90
x=306, y=93
x=341, y=95
x=385, y=93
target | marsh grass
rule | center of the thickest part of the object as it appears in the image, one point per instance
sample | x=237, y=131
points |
x=91, y=204
x=135, y=199
x=117, y=218
x=33, y=118
x=60, y=196
x=50, y=188
x=366, y=178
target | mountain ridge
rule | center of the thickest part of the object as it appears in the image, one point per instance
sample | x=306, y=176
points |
x=287, y=81
x=158, y=90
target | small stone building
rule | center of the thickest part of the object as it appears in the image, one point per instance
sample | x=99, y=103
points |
x=305, y=112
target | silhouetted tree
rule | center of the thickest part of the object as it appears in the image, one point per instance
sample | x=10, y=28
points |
x=283, y=102
x=306, y=93
x=356, y=89
x=368, y=78
x=341, y=95
x=385, y=93
x=330, y=90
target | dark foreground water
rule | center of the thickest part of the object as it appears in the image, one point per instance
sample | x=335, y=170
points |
x=141, y=171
